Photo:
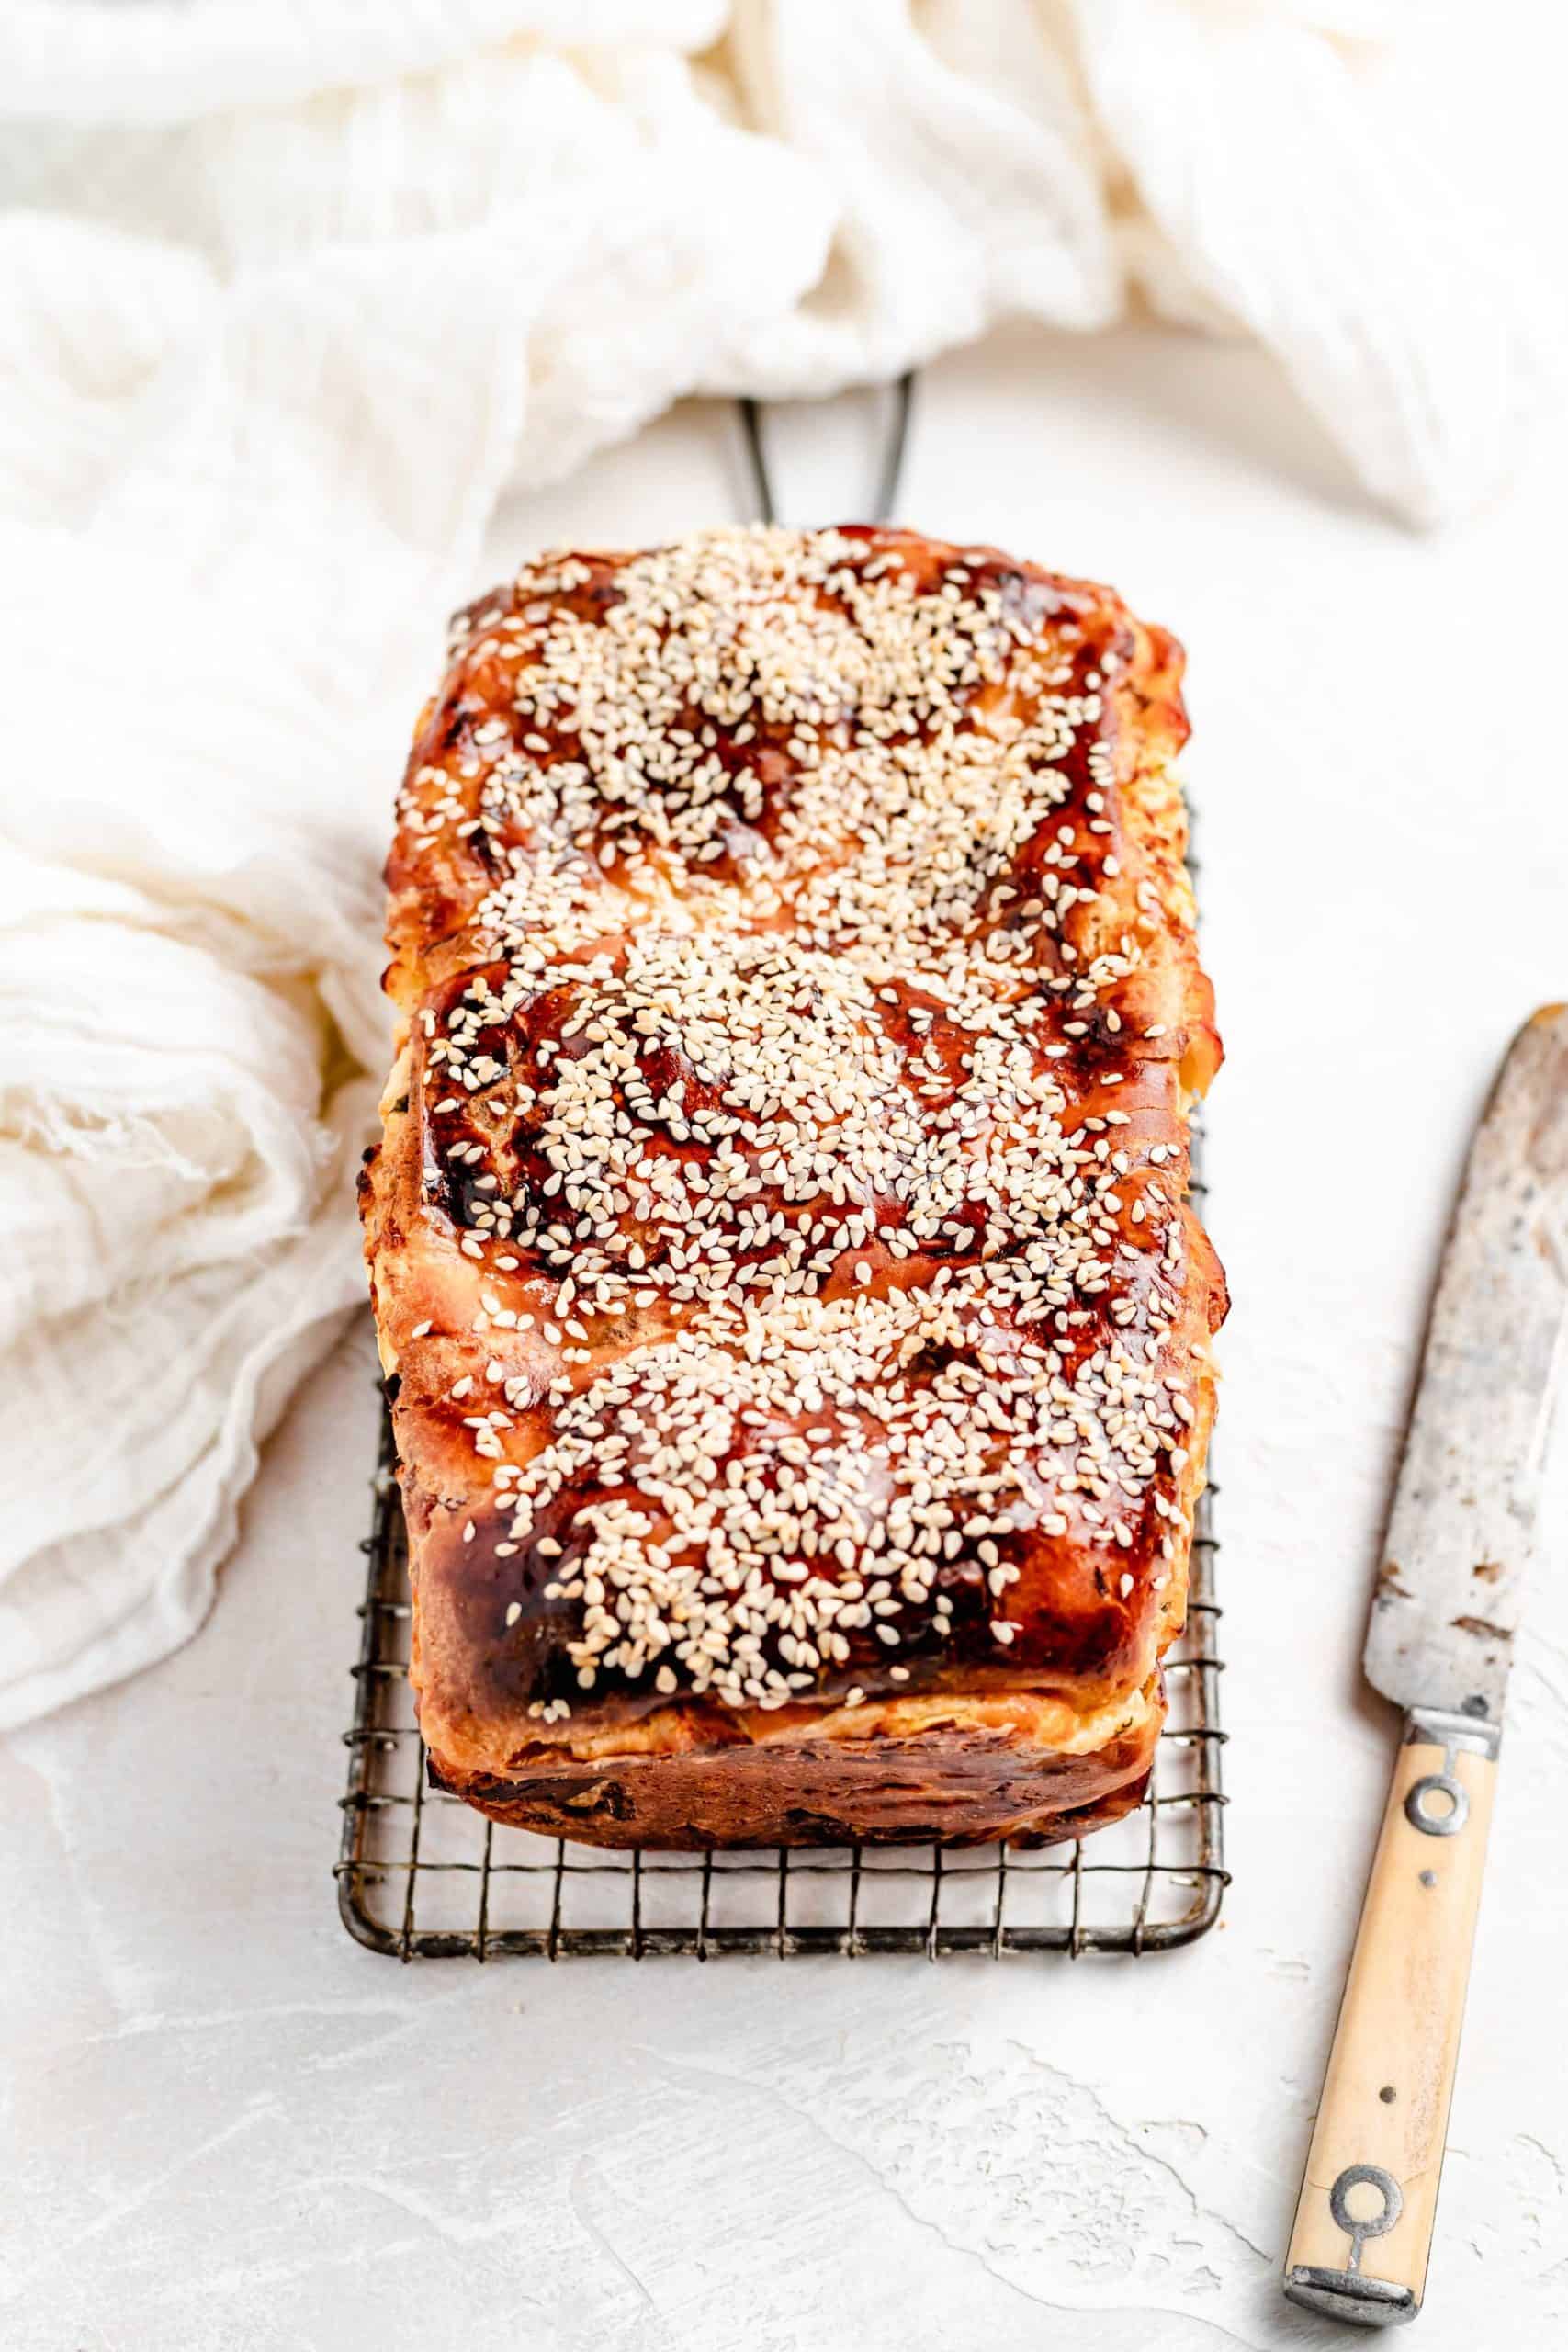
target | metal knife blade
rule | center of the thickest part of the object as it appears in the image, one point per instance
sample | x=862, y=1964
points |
x=1450, y=1589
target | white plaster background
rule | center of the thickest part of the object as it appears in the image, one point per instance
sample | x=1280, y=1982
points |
x=227, y=2126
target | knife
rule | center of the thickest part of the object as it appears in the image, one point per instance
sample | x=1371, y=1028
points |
x=1444, y=1615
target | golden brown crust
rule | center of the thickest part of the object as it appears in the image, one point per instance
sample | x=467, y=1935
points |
x=974, y=1772
x=778, y=1242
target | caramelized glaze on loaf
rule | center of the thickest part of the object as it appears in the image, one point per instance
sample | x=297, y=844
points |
x=778, y=1241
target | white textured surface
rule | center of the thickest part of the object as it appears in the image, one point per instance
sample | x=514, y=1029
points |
x=229, y=2126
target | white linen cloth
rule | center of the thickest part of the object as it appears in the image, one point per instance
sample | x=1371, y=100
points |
x=288, y=296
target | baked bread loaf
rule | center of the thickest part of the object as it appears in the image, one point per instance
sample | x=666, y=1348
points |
x=797, y=1331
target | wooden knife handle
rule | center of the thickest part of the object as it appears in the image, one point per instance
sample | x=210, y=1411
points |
x=1364, y=2223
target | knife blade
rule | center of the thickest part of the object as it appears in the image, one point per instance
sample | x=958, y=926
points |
x=1445, y=1610
x=1446, y=1607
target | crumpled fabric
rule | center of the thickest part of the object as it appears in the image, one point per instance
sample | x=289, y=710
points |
x=289, y=297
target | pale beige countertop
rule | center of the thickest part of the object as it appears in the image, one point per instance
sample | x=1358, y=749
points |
x=227, y=2125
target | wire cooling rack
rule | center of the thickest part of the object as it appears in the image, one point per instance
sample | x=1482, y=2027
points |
x=421, y=1876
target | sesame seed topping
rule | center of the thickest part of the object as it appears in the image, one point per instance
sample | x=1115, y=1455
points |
x=799, y=942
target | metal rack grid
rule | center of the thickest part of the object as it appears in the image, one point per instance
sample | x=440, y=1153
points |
x=421, y=1876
